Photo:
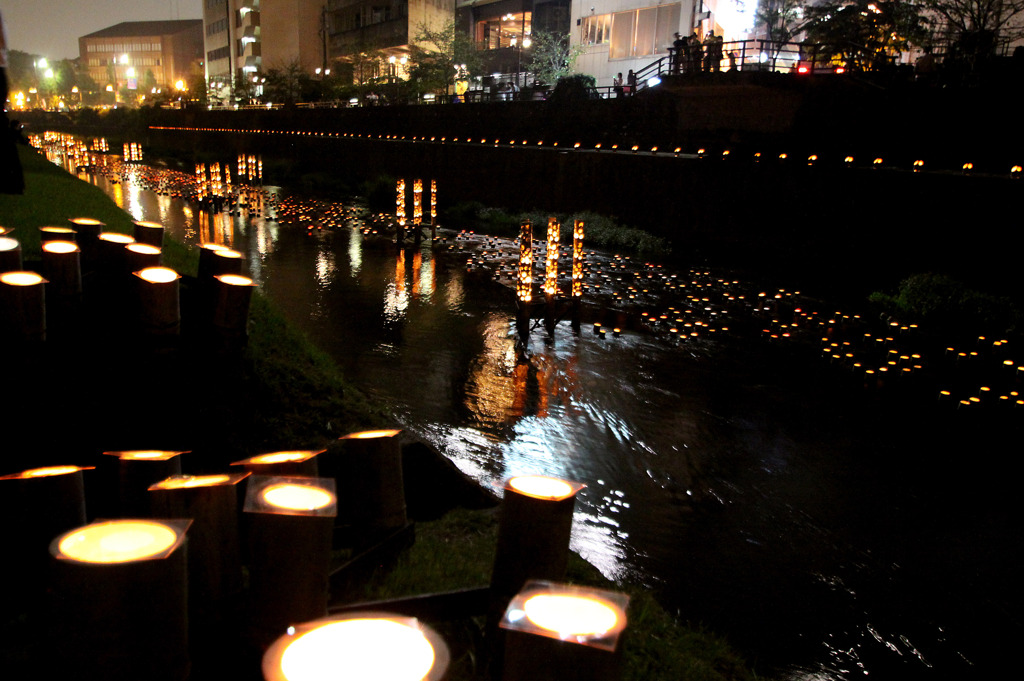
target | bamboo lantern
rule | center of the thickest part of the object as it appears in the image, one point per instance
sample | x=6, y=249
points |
x=119, y=610
x=290, y=527
x=557, y=632
x=358, y=645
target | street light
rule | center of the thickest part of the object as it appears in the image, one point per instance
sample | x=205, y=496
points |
x=519, y=47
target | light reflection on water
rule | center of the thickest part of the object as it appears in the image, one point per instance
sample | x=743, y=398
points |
x=741, y=500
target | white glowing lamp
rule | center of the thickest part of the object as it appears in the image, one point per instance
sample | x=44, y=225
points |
x=157, y=275
x=21, y=278
x=369, y=645
x=590, y=617
x=8, y=244
x=61, y=247
x=120, y=541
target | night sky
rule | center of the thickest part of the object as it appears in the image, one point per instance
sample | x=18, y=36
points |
x=51, y=28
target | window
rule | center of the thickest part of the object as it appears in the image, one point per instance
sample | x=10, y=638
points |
x=596, y=30
x=643, y=32
x=492, y=34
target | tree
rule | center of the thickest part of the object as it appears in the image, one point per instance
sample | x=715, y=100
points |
x=977, y=25
x=286, y=84
x=782, y=20
x=865, y=35
x=553, y=57
x=436, y=54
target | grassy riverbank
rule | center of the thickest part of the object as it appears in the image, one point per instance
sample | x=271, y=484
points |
x=280, y=393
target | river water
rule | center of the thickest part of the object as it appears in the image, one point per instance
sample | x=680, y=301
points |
x=829, y=530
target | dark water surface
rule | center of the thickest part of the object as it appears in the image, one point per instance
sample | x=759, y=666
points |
x=828, y=534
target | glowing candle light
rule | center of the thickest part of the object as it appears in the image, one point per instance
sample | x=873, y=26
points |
x=10, y=254
x=543, y=487
x=551, y=264
x=158, y=275
x=417, y=202
x=357, y=646
x=118, y=541
x=577, y=259
x=292, y=497
x=569, y=615
x=524, y=282
x=191, y=481
x=400, y=202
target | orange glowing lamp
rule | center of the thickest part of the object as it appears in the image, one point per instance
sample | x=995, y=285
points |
x=371, y=434
x=145, y=454
x=296, y=495
x=60, y=247
x=46, y=472
x=293, y=456
x=543, y=487
x=590, y=617
x=120, y=541
x=197, y=481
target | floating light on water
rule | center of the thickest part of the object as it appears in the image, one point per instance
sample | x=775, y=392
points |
x=357, y=646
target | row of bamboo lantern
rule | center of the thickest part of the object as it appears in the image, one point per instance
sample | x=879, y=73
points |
x=917, y=165
x=29, y=298
x=127, y=591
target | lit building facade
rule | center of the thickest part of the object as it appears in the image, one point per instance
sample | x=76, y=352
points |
x=623, y=35
x=503, y=29
x=244, y=38
x=385, y=27
x=140, y=53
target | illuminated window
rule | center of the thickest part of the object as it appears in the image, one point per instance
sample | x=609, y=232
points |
x=493, y=34
x=596, y=30
x=643, y=32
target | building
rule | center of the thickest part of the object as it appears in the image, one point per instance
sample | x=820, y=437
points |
x=504, y=29
x=623, y=35
x=245, y=38
x=385, y=28
x=142, y=55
